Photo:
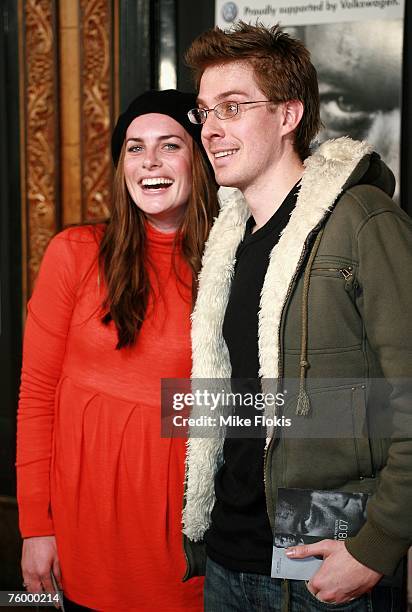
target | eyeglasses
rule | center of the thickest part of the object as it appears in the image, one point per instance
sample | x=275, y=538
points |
x=224, y=110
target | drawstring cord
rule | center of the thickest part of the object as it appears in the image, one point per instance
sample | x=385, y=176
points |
x=303, y=405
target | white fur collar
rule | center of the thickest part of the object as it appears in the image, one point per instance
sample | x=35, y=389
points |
x=326, y=172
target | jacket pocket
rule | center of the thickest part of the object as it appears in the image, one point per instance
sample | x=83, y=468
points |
x=361, y=434
x=331, y=446
x=345, y=271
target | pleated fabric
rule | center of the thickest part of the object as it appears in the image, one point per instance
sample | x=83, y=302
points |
x=92, y=466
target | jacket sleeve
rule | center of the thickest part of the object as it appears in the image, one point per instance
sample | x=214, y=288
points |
x=385, y=273
x=48, y=321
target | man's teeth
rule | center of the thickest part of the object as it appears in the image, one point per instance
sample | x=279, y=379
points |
x=156, y=181
x=225, y=153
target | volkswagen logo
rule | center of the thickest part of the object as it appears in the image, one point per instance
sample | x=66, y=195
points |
x=229, y=11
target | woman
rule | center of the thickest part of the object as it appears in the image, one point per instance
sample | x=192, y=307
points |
x=99, y=490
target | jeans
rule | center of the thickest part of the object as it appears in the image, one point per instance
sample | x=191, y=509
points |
x=228, y=591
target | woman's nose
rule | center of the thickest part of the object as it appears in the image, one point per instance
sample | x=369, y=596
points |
x=151, y=159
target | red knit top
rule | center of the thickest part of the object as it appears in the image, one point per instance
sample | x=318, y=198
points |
x=92, y=468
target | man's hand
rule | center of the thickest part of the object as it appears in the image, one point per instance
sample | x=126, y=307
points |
x=38, y=559
x=341, y=577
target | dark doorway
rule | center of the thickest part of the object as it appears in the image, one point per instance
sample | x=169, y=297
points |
x=11, y=294
x=152, y=31
x=10, y=243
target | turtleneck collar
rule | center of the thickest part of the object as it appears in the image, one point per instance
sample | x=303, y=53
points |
x=158, y=239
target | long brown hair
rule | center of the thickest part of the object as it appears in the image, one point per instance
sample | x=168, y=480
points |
x=122, y=254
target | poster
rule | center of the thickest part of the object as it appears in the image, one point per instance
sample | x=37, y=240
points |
x=356, y=47
x=306, y=12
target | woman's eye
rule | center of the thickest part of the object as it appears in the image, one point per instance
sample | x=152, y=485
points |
x=134, y=149
x=171, y=146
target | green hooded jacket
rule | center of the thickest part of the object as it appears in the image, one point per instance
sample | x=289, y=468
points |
x=335, y=316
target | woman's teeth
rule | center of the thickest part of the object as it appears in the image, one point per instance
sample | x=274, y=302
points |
x=157, y=182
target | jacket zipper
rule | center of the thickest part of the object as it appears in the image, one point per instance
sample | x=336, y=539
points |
x=269, y=505
x=187, y=572
x=347, y=272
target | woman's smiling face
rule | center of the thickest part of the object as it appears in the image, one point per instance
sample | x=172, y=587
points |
x=158, y=168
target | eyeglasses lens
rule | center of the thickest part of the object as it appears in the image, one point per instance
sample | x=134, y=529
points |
x=197, y=115
x=226, y=110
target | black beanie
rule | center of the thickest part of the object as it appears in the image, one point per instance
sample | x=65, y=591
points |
x=169, y=102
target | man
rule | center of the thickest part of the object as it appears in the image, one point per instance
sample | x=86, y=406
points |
x=307, y=277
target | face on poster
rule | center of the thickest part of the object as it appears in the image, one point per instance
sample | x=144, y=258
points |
x=356, y=47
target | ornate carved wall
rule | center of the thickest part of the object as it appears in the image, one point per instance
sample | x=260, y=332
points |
x=96, y=102
x=68, y=90
x=40, y=130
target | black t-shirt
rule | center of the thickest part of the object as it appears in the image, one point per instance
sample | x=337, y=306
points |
x=240, y=537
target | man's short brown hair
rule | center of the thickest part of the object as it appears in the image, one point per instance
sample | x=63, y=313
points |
x=281, y=65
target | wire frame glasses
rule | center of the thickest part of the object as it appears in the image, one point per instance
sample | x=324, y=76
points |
x=223, y=110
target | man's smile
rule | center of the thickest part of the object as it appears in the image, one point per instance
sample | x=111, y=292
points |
x=224, y=153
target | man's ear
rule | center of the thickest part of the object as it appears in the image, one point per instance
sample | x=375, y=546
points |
x=292, y=114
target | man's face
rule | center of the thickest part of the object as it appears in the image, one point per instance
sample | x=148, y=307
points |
x=245, y=149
